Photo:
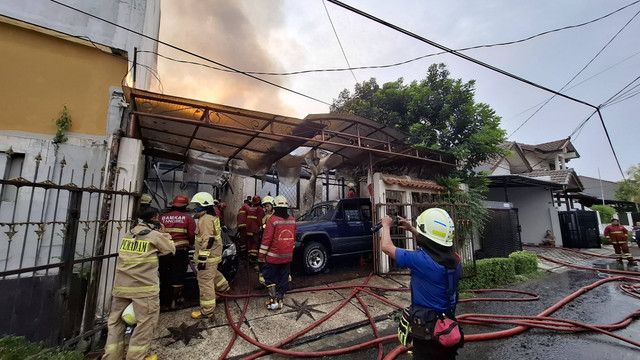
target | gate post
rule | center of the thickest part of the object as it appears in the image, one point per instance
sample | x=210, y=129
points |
x=68, y=257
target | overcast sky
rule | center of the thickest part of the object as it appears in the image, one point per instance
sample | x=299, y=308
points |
x=286, y=36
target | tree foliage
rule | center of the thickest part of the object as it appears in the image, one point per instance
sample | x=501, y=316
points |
x=438, y=113
x=606, y=212
x=629, y=190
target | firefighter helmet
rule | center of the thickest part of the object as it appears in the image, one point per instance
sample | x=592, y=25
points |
x=180, y=201
x=145, y=199
x=203, y=198
x=437, y=226
x=268, y=200
x=128, y=316
x=280, y=201
x=256, y=200
x=351, y=185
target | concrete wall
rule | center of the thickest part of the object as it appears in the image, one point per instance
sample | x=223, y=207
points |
x=142, y=16
x=44, y=73
x=536, y=211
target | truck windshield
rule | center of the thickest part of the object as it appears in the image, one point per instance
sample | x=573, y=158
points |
x=320, y=212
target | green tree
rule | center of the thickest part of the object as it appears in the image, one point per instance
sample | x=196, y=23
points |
x=438, y=113
x=606, y=212
x=629, y=190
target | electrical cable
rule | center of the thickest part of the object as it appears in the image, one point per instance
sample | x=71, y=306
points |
x=413, y=59
x=579, y=72
x=189, y=52
x=339, y=42
x=606, y=133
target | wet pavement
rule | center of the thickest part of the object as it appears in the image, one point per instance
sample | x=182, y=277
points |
x=606, y=304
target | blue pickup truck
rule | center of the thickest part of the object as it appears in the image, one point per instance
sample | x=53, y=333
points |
x=330, y=229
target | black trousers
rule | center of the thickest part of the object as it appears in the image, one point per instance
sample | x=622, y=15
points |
x=172, y=269
x=431, y=349
x=277, y=274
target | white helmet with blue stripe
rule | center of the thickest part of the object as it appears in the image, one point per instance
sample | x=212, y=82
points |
x=437, y=226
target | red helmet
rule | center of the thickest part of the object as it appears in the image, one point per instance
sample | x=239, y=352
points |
x=223, y=205
x=180, y=200
x=256, y=200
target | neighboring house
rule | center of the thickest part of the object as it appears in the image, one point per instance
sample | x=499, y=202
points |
x=535, y=180
x=601, y=192
x=55, y=57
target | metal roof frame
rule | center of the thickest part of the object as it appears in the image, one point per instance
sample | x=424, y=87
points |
x=170, y=126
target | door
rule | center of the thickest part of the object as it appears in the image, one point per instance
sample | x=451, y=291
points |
x=502, y=235
x=579, y=229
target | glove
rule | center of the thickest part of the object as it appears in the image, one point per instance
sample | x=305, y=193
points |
x=202, y=259
x=404, y=329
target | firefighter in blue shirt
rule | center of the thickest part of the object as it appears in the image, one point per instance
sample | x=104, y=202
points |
x=435, y=271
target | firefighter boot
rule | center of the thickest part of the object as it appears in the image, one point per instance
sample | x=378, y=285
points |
x=272, y=302
x=152, y=357
x=632, y=263
x=279, y=304
x=176, y=301
x=200, y=315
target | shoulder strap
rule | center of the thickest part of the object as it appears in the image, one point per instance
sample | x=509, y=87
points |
x=449, y=277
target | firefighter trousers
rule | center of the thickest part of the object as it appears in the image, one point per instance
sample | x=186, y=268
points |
x=147, y=311
x=622, y=251
x=253, y=245
x=210, y=280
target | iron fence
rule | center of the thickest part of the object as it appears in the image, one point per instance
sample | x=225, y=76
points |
x=58, y=247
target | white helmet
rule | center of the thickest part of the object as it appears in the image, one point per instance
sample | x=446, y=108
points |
x=351, y=185
x=281, y=201
x=268, y=200
x=203, y=198
x=437, y=226
x=128, y=316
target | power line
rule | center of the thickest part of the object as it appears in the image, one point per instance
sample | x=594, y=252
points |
x=606, y=132
x=453, y=52
x=339, y=42
x=579, y=72
x=189, y=52
x=350, y=68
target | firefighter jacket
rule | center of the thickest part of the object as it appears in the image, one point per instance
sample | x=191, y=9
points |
x=137, y=270
x=278, y=240
x=208, y=238
x=180, y=226
x=254, y=219
x=616, y=234
x=242, y=217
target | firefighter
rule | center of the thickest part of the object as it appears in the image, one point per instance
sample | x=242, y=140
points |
x=277, y=250
x=145, y=201
x=208, y=245
x=267, y=203
x=242, y=229
x=181, y=227
x=136, y=281
x=352, y=190
x=617, y=235
x=254, y=224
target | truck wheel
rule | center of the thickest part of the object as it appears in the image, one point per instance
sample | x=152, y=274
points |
x=315, y=258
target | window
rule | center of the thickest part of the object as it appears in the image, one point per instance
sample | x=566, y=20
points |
x=13, y=169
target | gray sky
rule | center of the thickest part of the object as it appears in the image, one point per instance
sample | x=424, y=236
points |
x=288, y=35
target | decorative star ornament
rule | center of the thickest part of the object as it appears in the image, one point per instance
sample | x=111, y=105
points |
x=303, y=309
x=185, y=333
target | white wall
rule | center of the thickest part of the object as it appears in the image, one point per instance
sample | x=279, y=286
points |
x=536, y=212
x=140, y=15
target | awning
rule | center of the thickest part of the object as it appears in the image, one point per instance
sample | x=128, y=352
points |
x=521, y=181
x=249, y=142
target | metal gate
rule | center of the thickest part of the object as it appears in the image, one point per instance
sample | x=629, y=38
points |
x=501, y=236
x=59, y=231
x=579, y=229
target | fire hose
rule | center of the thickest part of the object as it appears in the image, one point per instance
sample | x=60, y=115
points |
x=522, y=323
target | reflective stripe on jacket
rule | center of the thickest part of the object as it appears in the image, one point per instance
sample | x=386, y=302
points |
x=278, y=240
x=137, y=269
x=254, y=219
x=616, y=234
x=180, y=226
x=208, y=227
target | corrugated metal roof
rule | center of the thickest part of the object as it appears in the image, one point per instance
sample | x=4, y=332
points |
x=251, y=141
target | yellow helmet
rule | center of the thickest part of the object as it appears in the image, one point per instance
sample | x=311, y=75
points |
x=145, y=199
x=437, y=226
x=203, y=198
x=128, y=316
x=281, y=201
x=268, y=200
